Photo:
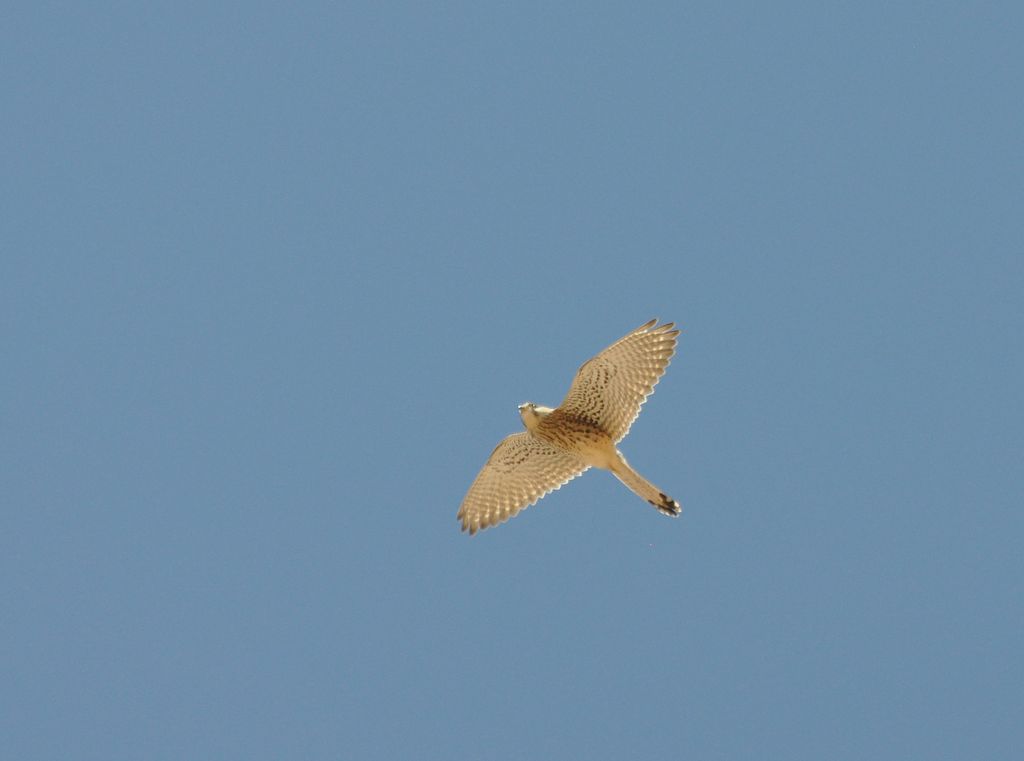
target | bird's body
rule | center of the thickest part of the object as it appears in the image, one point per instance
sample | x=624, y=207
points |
x=577, y=435
x=560, y=444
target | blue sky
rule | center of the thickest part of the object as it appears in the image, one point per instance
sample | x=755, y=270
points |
x=275, y=278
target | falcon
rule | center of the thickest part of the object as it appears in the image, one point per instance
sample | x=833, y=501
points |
x=560, y=444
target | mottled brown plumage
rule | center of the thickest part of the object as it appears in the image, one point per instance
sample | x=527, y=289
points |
x=560, y=444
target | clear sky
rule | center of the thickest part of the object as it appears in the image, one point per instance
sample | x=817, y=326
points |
x=275, y=277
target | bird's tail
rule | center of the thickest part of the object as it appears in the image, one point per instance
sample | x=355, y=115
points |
x=644, y=488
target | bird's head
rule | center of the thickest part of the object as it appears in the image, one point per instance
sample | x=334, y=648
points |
x=533, y=413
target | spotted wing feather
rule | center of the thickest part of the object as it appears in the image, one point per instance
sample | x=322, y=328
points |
x=520, y=471
x=610, y=388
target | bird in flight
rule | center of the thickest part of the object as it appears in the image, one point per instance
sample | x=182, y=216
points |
x=560, y=444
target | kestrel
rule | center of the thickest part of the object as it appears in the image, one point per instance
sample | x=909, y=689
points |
x=560, y=444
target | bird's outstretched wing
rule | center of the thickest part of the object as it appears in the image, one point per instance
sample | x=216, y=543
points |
x=610, y=388
x=520, y=470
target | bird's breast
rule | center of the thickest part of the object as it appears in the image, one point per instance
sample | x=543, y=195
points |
x=581, y=437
